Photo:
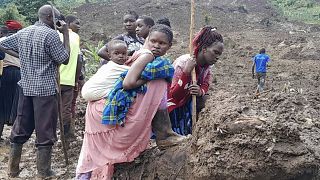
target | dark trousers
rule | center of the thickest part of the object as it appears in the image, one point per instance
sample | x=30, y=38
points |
x=39, y=114
x=261, y=81
x=181, y=117
x=66, y=99
x=74, y=102
x=201, y=102
x=76, y=92
x=8, y=94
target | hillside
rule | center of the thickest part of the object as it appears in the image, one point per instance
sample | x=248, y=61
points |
x=238, y=136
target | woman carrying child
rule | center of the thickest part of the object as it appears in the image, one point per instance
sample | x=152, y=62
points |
x=104, y=145
x=208, y=46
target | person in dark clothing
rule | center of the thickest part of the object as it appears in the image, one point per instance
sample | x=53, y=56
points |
x=40, y=51
x=133, y=42
x=10, y=75
x=144, y=23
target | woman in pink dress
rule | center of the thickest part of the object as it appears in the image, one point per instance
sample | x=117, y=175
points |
x=105, y=145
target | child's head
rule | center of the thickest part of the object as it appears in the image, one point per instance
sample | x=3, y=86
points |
x=117, y=51
x=262, y=51
x=73, y=23
x=144, y=23
x=208, y=46
x=129, y=22
x=159, y=40
x=164, y=21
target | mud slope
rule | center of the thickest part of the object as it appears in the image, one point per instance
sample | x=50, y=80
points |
x=275, y=136
x=238, y=136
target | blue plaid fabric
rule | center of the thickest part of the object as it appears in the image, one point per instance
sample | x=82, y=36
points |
x=181, y=119
x=119, y=100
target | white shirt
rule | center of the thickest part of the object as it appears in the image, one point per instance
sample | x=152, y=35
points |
x=101, y=83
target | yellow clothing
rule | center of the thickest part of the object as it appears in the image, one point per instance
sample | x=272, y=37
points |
x=68, y=72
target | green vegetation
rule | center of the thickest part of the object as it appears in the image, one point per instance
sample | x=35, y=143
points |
x=26, y=10
x=307, y=11
x=92, y=50
x=11, y=12
x=92, y=58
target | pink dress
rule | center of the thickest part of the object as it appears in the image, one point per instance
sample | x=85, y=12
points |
x=105, y=145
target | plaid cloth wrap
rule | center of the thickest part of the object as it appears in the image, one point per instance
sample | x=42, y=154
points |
x=119, y=100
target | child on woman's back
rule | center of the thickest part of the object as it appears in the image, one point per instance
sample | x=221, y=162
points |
x=100, y=84
x=107, y=144
x=147, y=64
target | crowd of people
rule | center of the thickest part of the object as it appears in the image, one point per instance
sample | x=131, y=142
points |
x=135, y=93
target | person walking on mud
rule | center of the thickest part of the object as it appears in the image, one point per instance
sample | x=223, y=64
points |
x=260, y=67
x=40, y=51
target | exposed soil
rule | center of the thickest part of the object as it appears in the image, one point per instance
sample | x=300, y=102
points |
x=238, y=136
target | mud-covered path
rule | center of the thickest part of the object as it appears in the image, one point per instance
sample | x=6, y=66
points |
x=276, y=136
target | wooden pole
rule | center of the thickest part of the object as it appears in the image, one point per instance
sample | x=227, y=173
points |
x=193, y=73
x=62, y=138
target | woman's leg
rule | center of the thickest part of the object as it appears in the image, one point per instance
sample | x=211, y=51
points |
x=181, y=119
x=162, y=128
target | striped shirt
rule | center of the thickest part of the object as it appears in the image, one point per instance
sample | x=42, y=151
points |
x=40, y=52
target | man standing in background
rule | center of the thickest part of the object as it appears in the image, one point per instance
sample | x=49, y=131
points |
x=40, y=51
x=69, y=75
x=260, y=65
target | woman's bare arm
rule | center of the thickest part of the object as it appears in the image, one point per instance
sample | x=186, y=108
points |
x=10, y=52
x=103, y=53
x=132, y=79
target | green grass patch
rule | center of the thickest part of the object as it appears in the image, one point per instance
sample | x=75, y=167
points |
x=307, y=11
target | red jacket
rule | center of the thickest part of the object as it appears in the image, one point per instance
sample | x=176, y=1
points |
x=178, y=94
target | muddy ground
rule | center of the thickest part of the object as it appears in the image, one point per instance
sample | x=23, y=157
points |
x=238, y=136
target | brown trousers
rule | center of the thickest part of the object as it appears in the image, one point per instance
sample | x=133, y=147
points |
x=39, y=114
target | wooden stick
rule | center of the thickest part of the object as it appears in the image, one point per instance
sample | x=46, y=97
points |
x=1, y=67
x=61, y=123
x=193, y=73
x=62, y=138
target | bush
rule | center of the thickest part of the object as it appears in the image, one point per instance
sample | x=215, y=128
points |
x=10, y=12
x=92, y=58
x=301, y=10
